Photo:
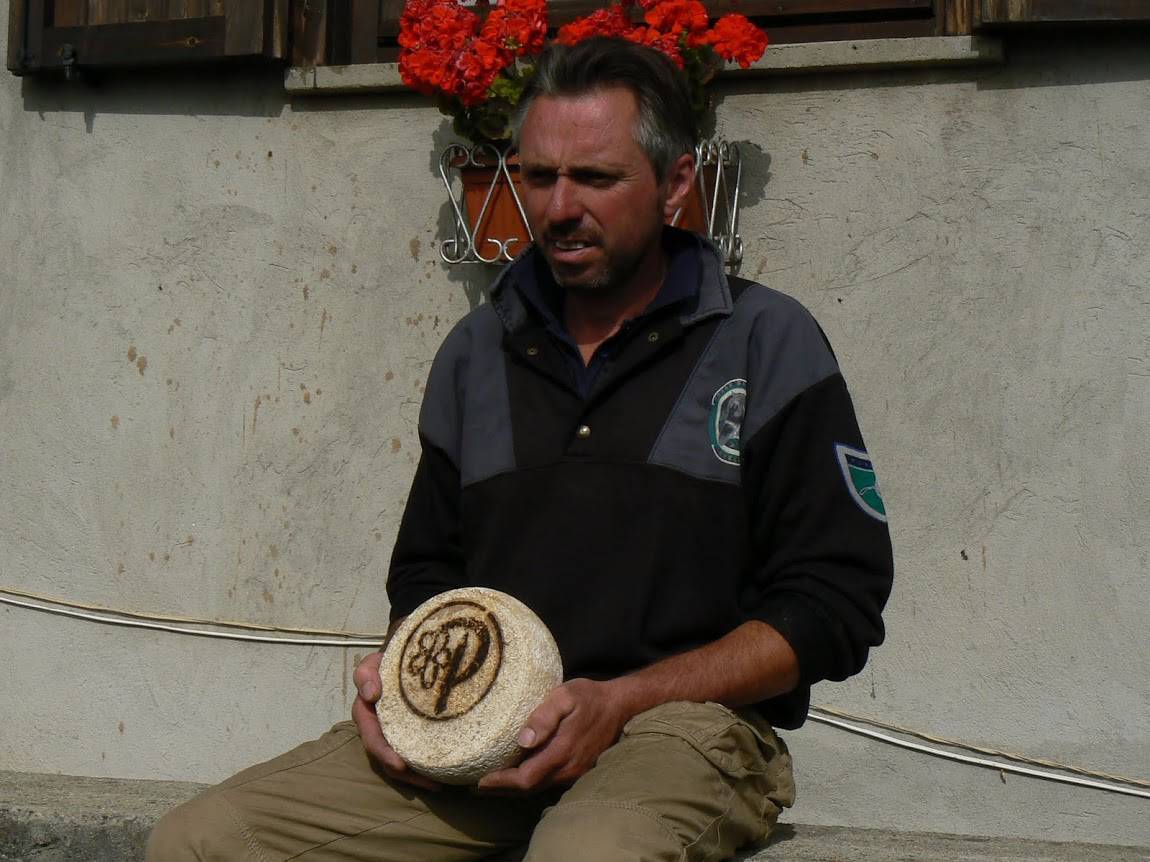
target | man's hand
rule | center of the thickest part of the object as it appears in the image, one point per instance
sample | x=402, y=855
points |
x=565, y=734
x=367, y=685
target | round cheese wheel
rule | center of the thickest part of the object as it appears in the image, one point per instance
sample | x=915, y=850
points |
x=460, y=676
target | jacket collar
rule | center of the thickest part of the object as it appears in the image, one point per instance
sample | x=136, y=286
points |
x=714, y=291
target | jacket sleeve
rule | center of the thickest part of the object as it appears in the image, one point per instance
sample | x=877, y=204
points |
x=823, y=564
x=428, y=554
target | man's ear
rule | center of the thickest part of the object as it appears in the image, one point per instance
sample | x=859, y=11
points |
x=678, y=183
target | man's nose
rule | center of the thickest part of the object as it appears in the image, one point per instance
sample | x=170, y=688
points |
x=564, y=205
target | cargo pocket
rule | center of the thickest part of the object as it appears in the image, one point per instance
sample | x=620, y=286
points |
x=739, y=744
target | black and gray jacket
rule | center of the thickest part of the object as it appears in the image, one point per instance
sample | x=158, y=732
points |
x=714, y=474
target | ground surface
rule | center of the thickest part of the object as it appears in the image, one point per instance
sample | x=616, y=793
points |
x=60, y=818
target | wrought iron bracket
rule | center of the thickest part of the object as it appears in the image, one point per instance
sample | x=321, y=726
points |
x=463, y=246
x=719, y=174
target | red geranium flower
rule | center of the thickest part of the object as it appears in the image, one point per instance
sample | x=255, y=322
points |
x=612, y=21
x=735, y=38
x=668, y=43
x=677, y=16
x=520, y=26
x=445, y=50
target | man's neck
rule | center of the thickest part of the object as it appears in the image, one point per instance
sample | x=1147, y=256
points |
x=591, y=317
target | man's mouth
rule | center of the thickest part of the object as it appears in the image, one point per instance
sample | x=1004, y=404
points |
x=570, y=244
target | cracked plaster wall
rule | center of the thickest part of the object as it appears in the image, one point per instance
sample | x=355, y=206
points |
x=217, y=310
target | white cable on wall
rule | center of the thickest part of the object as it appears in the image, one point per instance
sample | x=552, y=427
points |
x=814, y=715
x=172, y=618
x=321, y=637
x=207, y=633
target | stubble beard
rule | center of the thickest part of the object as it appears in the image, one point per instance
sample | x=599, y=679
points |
x=603, y=283
x=614, y=276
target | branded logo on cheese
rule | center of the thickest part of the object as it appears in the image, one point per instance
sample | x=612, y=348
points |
x=725, y=423
x=450, y=660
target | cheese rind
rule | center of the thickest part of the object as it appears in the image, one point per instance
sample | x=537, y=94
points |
x=459, y=677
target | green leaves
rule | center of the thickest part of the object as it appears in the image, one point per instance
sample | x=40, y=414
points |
x=491, y=119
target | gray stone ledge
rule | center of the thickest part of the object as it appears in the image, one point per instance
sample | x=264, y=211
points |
x=64, y=818
x=798, y=59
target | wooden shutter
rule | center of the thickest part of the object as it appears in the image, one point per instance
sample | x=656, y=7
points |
x=1017, y=12
x=342, y=32
x=99, y=34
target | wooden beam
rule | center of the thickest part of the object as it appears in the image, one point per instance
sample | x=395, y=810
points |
x=814, y=7
x=848, y=31
x=957, y=17
x=98, y=12
x=279, y=29
x=244, y=28
x=1063, y=11
x=765, y=8
x=389, y=15
x=338, y=31
x=66, y=13
x=35, y=23
x=117, y=11
x=17, y=35
x=309, y=33
x=364, y=37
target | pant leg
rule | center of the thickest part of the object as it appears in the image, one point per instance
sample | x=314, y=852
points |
x=323, y=802
x=686, y=781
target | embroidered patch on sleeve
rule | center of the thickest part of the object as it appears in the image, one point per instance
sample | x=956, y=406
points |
x=725, y=423
x=858, y=473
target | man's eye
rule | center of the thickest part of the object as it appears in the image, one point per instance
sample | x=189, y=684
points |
x=595, y=180
x=539, y=178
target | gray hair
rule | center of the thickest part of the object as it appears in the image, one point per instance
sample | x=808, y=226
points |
x=665, y=128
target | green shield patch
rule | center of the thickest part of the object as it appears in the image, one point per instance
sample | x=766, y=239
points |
x=858, y=472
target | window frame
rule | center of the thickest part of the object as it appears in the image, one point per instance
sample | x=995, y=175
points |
x=55, y=35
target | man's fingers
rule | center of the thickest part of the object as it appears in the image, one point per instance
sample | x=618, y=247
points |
x=366, y=677
x=531, y=774
x=375, y=744
x=365, y=719
x=374, y=741
x=545, y=720
x=536, y=772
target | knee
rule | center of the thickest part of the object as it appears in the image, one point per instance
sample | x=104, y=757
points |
x=192, y=832
x=601, y=830
x=169, y=838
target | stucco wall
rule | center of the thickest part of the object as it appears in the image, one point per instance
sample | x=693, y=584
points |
x=217, y=310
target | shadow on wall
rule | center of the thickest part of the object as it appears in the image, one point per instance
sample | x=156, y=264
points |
x=241, y=91
x=473, y=279
x=1088, y=55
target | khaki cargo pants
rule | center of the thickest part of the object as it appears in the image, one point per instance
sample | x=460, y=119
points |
x=686, y=781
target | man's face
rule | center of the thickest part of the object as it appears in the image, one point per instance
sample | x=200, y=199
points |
x=589, y=191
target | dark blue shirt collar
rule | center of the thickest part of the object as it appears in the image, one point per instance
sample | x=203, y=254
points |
x=680, y=286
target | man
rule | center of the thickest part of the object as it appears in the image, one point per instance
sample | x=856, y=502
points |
x=657, y=460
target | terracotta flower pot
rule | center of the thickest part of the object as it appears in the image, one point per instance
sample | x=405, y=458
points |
x=493, y=215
